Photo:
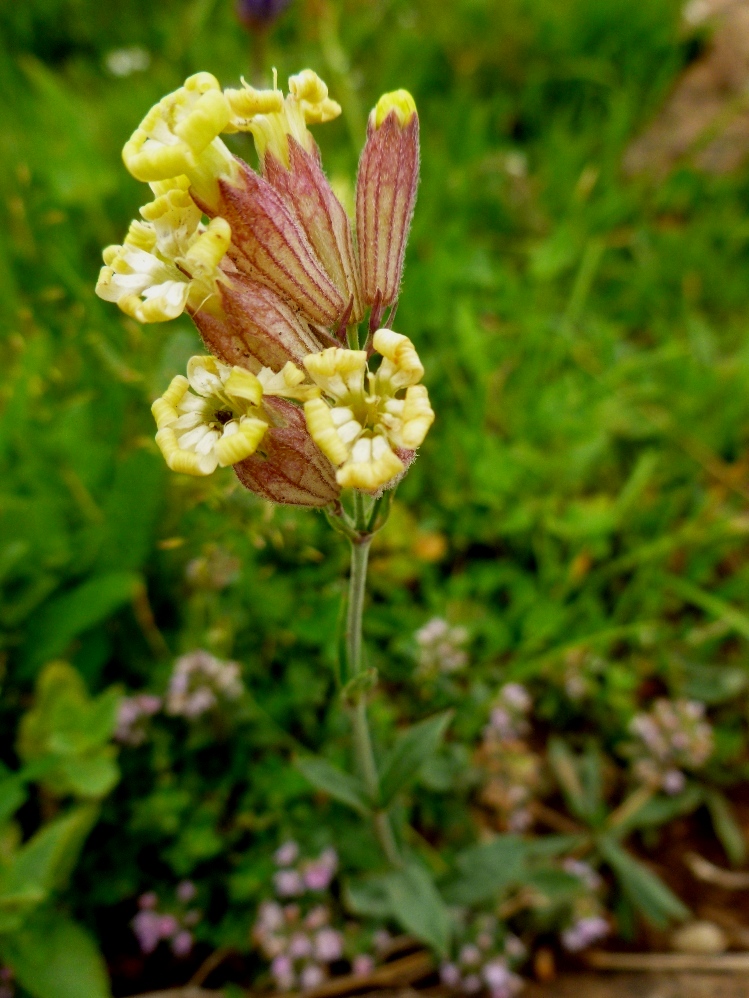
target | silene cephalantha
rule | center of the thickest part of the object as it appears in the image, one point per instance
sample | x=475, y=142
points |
x=276, y=278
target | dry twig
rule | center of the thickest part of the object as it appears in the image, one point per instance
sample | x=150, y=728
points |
x=720, y=963
x=703, y=869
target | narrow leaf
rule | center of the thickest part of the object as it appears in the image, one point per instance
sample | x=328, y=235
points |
x=333, y=781
x=413, y=747
x=416, y=904
x=726, y=827
x=656, y=902
x=483, y=871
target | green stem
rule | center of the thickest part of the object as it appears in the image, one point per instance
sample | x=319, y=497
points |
x=364, y=752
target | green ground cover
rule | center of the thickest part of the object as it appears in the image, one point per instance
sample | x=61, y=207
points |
x=578, y=508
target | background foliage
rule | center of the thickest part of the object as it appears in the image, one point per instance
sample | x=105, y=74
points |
x=582, y=493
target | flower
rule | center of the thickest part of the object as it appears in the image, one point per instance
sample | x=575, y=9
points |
x=167, y=263
x=288, y=883
x=179, y=136
x=221, y=421
x=132, y=714
x=267, y=265
x=584, y=932
x=440, y=647
x=286, y=854
x=673, y=736
x=198, y=682
x=359, y=422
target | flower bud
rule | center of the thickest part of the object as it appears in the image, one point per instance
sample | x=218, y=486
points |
x=289, y=469
x=385, y=195
x=254, y=327
x=269, y=246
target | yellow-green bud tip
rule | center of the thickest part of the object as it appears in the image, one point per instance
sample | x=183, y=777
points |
x=399, y=101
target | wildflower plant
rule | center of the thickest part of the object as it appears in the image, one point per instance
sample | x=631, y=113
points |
x=306, y=390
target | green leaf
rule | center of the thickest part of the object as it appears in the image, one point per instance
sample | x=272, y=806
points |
x=579, y=778
x=66, y=616
x=726, y=827
x=131, y=509
x=713, y=684
x=368, y=896
x=90, y=776
x=416, y=905
x=44, y=863
x=656, y=902
x=483, y=871
x=412, y=748
x=333, y=781
x=12, y=796
x=660, y=810
x=53, y=957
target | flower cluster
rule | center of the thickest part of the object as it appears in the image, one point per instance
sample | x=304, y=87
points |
x=151, y=926
x=484, y=962
x=276, y=279
x=199, y=681
x=298, y=937
x=512, y=771
x=133, y=714
x=441, y=648
x=671, y=737
x=584, y=932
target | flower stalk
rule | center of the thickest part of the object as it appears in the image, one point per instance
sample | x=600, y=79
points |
x=365, y=758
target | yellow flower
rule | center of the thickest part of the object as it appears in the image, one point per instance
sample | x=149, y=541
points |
x=362, y=417
x=179, y=136
x=215, y=415
x=271, y=118
x=167, y=263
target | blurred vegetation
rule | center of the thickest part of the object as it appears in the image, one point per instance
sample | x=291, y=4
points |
x=583, y=491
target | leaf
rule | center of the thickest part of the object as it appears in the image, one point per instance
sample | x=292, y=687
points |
x=44, y=863
x=90, y=776
x=726, y=827
x=412, y=748
x=483, y=871
x=66, y=616
x=660, y=810
x=713, y=684
x=333, y=781
x=53, y=957
x=656, y=902
x=580, y=780
x=12, y=796
x=416, y=904
x=368, y=896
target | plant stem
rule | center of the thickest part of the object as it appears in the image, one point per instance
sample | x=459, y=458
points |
x=354, y=648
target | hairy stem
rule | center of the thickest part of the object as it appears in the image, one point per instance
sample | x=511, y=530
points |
x=364, y=752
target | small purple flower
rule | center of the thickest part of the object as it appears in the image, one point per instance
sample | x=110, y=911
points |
x=147, y=928
x=470, y=956
x=328, y=945
x=363, y=965
x=300, y=946
x=312, y=976
x=186, y=891
x=673, y=782
x=472, y=984
x=449, y=975
x=496, y=974
x=148, y=901
x=381, y=939
x=282, y=971
x=182, y=943
x=288, y=883
x=270, y=915
x=584, y=933
x=287, y=854
x=168, y=926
